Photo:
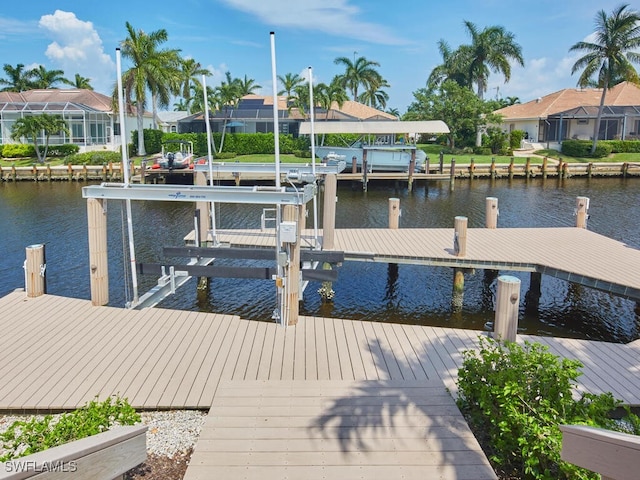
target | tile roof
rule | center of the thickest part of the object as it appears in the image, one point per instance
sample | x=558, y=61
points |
x=623, y=94
x=90, y=98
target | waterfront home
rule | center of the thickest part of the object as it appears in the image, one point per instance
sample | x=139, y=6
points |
x=571, y=113
x=93, y=123
x=254, y=114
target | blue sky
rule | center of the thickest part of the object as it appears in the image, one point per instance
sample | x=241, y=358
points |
x=233, y=35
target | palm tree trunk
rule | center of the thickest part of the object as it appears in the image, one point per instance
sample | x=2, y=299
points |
x=154, y=104
x=141, y=149
x=596, y=128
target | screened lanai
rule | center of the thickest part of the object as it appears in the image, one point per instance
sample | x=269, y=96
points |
x=87, y=126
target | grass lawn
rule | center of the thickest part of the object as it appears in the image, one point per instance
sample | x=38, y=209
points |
x=433, y=151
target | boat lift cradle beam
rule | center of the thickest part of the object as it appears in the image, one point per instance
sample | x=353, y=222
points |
x=179, y=193
x=286, y=168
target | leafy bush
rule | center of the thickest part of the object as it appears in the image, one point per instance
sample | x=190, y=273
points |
x=515, y=139
x=482, y=151
x=517, y=396
x=27, y=437
x=582, y=149
x=152, y=140
x=496, y=140
x=62, y=150
x=18, y=150
x=623, y=146
x=240, y=143
x=94, y=158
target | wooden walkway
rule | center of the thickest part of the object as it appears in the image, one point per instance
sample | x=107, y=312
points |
x=573, y=254
x=329, y=397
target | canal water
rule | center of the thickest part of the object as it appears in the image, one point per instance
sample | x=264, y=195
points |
x=55, y=214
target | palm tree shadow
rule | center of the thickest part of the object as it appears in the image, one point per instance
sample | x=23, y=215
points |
x=380, y=416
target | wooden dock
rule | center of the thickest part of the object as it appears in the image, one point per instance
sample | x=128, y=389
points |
x=328, y=397
x=573, y=254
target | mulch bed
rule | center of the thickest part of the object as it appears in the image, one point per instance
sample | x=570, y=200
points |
x=161, y=468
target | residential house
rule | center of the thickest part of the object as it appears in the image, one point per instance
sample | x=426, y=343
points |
x=168, y=121
x=254, y=114
x=571, y=114
x=92, y=122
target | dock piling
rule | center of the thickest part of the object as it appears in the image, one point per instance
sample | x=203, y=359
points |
x=460, y=236
x=507, y=304
x=329, y=213
x=35, y=270
x=582, y=208
x=491, y=212
x=98, y=261
x=452, y=174
x=394, y=213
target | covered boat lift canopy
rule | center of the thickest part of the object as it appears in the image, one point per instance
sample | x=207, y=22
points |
x=378, y=127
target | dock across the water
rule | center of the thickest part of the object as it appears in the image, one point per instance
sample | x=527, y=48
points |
x=573, y=254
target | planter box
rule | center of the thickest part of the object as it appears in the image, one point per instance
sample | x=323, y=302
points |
x=105, y=456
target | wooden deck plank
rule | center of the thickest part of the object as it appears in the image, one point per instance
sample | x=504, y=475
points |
x=40, y=383
x=242, y=360
x=322, y=358
x=299, y=352
x=257, y=350
x=355, y=351
x=277, y=358
x=192, y=358
x=266, y=359
x=223, y=364
x=388, y=358
x=332, y=349
x=310, y=350
x=176, y=361
x=376, y=351
x=366, y=355
x=346, y=366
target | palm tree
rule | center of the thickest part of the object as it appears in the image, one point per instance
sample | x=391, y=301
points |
x=196, y=100
x=374, y=96
x=43, y=78
x=247, y=86
x=81, y=82
x=18, y=80
x=289, y=83
x=609, y=57
x=491, y=49
x=454, y=67
x=190, y=71
x=33, y=126
x=229, y=93
x=394, y=111
x=358, y=72
x=154, y=70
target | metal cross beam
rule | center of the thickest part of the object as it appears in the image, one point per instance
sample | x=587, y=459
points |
x=184, y=193
x=330, y=256
x=285, y=168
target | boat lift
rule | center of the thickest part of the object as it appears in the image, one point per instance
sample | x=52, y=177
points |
x=97, y=195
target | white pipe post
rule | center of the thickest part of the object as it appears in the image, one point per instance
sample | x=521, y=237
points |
x=125, y=165
x=313, y=158
x=209, y=159
x=276, y=138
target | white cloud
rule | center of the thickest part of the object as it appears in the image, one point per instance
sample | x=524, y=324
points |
x=77, y=48
x=335, y=17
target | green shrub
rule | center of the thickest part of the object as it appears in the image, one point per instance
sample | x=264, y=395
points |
x=623, y=146
x=515, y=139
x=582, y=149
x=1, y=148
x=152, y=141
x=62, y=150
x=97, y=157
x=31, y=436
x=517, y=396
x=225, y=155
x=481, y=151
x=496, y=140
x=18, y=150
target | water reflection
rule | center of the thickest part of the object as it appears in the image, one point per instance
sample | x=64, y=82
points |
x=55, y=214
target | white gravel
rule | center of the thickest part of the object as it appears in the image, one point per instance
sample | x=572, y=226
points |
x=170, y=432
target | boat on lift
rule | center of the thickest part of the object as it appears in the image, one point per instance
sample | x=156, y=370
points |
x=387, y=146
x=176, y=155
